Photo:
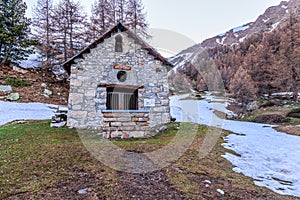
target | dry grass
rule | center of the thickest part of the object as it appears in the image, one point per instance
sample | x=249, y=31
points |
x=39, y=162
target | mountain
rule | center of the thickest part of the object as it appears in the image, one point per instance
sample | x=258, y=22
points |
x=273, y=18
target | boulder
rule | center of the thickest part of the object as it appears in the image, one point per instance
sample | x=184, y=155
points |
x=44, y=85
x=47, y=92
x=13, y=96
x=5, y=88
x=253, y=106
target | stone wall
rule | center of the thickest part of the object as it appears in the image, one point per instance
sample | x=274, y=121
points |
x=126, y=125
x=87, y=97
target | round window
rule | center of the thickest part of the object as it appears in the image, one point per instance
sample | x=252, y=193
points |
x=122, y=75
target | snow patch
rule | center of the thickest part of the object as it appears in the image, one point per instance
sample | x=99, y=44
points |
x=243, y=38
x=10, y=111
x=266, y=20
x=220, y=41
x=290, y=94
x=275, y=25
x=270, y=157
x=33, y=61
x=184, y=59
x=284, y=7
x=240, y=28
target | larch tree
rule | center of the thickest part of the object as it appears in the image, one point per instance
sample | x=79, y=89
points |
x=102, y=18
x=136, y=18
x=290, y=50
x=43, y=27
x=120, y=10
x=70, y=28
x=14, y=32
x=243, y=87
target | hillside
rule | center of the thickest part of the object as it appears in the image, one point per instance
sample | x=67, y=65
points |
x=32, y=85
x=257, y=58
x=273, y=18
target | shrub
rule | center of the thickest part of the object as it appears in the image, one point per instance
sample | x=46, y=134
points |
x=294, y=113
x=15, y=82
x=270, y=119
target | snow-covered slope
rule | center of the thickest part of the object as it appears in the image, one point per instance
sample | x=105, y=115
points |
x=33, y=61
x=273, y=18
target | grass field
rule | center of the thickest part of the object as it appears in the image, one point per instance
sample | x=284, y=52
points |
x=39, y=162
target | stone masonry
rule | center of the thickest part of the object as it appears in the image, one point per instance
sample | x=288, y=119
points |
x=91, y=75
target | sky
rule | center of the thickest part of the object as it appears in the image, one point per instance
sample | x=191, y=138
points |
x=196, y=19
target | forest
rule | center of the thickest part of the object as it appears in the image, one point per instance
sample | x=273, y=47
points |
x=61, y=30
x=264, y=63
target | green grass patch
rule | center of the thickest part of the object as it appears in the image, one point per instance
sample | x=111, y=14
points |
x=39, y=162
x=15, y=82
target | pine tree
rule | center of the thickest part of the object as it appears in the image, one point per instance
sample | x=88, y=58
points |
x=43, y=27
x=14, y=32
x=70, y=28
x=136, y=17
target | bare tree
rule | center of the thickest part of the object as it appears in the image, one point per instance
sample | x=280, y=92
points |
x=243, y=87
x=290, y=54
x=70, y=28
x=102, y=18
x=136, y=17
x=42, y=26
x=120, y=10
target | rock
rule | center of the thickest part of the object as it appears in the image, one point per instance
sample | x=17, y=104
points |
x=125, y=136
x=230, y=117
x=267, y=104
x=172, y=89
x=295, y=113
x=207, y=181
x=19, y=69
x=58, y=125
x=60, y=117
x=220, y=191
x=82, y=191
x=5, y=88
x=161, y=129
x=13, y=97
x=253, y=106
x=173, y=119
x=48, y=92
x=198, y=95
x=44, y=85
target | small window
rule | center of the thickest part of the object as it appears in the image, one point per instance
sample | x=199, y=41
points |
x=119, y=43
x=122, y=75
x=121, y=98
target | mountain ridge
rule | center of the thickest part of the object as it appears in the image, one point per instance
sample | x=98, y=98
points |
x=273, y=18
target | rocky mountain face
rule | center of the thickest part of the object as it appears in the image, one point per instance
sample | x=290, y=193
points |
x=273, y=18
